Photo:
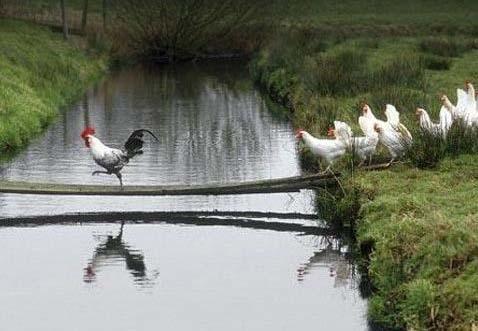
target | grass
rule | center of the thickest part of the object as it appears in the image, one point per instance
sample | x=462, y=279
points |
x=439, y=15
x=424, y=227
x=40, y=73
x=328, y=57
x=419, y=220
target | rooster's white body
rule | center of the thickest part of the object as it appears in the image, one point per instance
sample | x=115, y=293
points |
x=113, y=159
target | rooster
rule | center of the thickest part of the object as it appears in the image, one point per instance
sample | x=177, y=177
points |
x=114, y=159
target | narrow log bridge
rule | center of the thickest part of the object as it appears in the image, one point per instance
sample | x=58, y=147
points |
x=252, y=220
x=287, y=184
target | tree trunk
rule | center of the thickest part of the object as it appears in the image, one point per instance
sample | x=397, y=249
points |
x=84, y=16
x=104, y=15
x=63, y=19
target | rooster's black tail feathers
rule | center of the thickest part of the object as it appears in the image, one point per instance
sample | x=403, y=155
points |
x=135, y=142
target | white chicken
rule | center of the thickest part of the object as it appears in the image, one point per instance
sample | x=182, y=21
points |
x=392, y=134
x=466, y=105
x=395, y=141
x=363, y=147
x=449, y=106
x=440, y=128
x=368, y=114
x=471, y=110
x=328, y=150
x=113, y=159
x=393, y=118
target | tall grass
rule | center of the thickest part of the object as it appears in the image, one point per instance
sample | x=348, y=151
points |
x=446, y=46
x=462, y=139
x=40, y=73
x=429, y=148
x=412, y=218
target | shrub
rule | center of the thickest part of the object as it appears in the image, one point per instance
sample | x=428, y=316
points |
x=405, y=70
x=405, y=99
x=445, y=46
x=337, y=74
x=426, y=150
x=462, y=139
x=436, y=62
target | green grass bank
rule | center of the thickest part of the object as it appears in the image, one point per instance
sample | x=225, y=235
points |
x=39, y=74
x=418, y=228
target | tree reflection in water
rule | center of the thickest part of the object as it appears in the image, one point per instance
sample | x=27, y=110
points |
x=109, y=251
x=333, y=257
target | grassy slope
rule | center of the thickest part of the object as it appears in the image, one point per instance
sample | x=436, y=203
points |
x=369, y=12
x=424, y=227
x=422, y=224
x=39, y=74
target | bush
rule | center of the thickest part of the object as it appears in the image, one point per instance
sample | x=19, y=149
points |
x=426, y=150
x=405, y=70
x=445, y=46
x=436, y=62
x=405, y=99
x=337, y=74
x=462, y=139
x=169, y=30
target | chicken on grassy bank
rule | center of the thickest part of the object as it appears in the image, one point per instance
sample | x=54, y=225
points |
x=327, y=150
x=113, y=159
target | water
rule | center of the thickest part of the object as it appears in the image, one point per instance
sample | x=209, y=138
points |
x=213, y=126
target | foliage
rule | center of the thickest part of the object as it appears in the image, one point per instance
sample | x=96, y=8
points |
x=445, y=46
x=414, y=220
x=39, y=74
x=427, y=149
x=424, y=226
x=180, y=29
x=437, y=62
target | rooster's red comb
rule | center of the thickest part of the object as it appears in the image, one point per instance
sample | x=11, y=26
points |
x=88, y=131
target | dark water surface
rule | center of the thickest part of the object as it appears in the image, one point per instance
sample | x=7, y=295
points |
x=213, y=126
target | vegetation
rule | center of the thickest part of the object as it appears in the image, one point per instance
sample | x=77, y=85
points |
x=186, y=29
x=39, y=74
x=423, y=225
x=417, y=220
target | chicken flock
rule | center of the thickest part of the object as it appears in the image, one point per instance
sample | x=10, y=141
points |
x=390, y=133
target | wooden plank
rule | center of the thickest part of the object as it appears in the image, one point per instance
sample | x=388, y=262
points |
x=287, y=184
x=188, y=217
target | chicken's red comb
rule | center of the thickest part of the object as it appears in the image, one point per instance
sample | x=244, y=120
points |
x=88, y=131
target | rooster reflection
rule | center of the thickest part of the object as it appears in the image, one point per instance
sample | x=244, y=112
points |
x=112, y=249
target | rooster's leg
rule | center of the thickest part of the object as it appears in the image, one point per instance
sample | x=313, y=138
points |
x=97, y=172
x=120, y=177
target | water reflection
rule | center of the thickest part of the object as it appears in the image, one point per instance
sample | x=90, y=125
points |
x=114, y=250
x=335, y=258
x=213, y=126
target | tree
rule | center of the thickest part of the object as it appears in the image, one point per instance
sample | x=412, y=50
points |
x=181, y=29
x=63, y=19
x=104, y=14
x=84, y=16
